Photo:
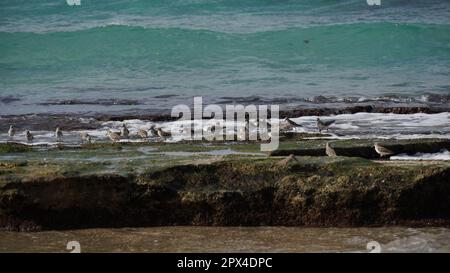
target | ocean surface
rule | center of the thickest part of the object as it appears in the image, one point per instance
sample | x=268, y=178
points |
x=147, y=56
x=231, y=239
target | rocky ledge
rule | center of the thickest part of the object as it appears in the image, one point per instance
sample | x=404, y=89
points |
x=293, y=191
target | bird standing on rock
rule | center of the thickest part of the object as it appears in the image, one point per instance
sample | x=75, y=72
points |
x=58, y=134
x=288, y=124
x=85, y=137
x=287, y=161
x=153, y=131
x=330, y=151
x=324, y=124
x=11, y=132
x=142, y=133
x=162, y=134
x=29, y=136
x=124, y=132
x=293, y=123
x=382, y=151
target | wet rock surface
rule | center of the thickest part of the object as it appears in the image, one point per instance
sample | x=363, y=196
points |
x=367, y=150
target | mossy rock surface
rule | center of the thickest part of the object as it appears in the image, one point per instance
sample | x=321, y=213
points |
x=14, y=148
x=311, y=191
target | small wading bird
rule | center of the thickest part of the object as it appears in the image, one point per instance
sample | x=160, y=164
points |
x=29, y=136
x=153, y=131
x=58, y=134
x=124, y=132
x=288, y=124
x=382, y=151
x=330, y=151
x=85, y=137
x=11, y=132
x=142, y=133
x=293, y=123
x=287, y=161
x=114, y=136
x=162, y=134
x=324, y=124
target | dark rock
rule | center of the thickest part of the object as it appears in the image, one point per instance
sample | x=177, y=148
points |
x=346, y=192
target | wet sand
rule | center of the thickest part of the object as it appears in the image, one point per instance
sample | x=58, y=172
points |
x=231, y=239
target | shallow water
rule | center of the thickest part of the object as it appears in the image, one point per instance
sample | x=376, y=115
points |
x=231, y=239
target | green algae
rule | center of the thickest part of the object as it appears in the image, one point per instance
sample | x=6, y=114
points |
x=13, y=148
x=24, y=163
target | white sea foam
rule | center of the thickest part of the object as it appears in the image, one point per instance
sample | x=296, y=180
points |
x=443, y=155
x=418, y=241
x=379, y=125
x=346, y=126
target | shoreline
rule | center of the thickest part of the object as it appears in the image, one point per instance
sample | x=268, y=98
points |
x=86, y=121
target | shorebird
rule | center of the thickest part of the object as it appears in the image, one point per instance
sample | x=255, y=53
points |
x=293, y=123
x=288, y=124
x=124, y=132
x=330, y=151
x=162, y=134
x=11, y=131
x=324, y=124
x=382, y=151
x=29, y=136
x=153, y=131
x=288, y=160
x=142, y=133
x=114, y=136
x=85, y=137
x=58, y=134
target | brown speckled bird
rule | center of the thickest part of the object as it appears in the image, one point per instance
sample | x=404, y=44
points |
x=382, y=151
x=330, y=151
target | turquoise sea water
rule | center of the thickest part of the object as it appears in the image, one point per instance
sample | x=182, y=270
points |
x=121, y=55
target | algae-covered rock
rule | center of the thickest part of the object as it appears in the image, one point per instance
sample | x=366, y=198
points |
x=287, y=161
x=352, y=148
x=310, y=191
x=12, y=147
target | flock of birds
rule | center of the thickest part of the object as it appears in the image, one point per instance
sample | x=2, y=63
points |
x=86, y=138
x=381, y=150
x=124, y=133
x=329, y=151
